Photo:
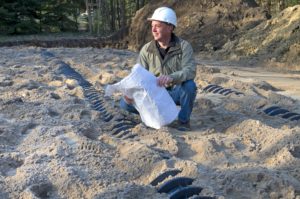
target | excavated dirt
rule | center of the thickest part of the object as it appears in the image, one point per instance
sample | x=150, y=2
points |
x=69, y=43
x=53, y=144
x=229, y=30
x=208, y=25
x=275, y=42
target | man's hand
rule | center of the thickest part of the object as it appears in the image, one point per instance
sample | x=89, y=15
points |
x=128, y=100
x=164, y=80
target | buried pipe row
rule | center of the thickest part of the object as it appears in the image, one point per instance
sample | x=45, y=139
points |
x=212, y=88
x=271, y=111
x=177, y=187
x=281, y=112
x=121, y=128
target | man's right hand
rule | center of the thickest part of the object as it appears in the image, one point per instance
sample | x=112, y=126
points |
x=128, y=100
x=164, y=80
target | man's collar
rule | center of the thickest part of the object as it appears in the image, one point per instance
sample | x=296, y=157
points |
x=174, y=44
x=173, y=40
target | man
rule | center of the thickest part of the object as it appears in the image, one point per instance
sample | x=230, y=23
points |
x=170, y=58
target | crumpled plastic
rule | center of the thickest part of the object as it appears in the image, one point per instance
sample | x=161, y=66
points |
x=154, y=104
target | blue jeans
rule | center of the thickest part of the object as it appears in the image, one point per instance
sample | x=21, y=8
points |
x=183, y=95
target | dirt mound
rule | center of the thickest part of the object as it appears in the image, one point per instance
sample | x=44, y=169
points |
x=232, y=30
x=276, y=41
x=110, y=42
x=208, y=25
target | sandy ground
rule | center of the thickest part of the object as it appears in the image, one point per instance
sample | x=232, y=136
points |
x=53, y=144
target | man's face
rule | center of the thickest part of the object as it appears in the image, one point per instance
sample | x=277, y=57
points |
x=161, y=31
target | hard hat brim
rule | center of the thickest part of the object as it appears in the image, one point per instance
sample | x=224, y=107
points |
x=152, y=19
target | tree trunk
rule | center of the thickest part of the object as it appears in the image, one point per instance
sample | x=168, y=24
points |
x=98, y=16
x=123, y=14
x=113, y=17
x=88, y=8
x=118, y=13
x=137, y=5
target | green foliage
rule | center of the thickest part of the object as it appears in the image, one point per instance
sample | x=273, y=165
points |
x=18, y=17
x=5, y=17
x=34, y=16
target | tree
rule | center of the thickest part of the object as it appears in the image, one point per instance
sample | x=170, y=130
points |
x=109, y=16
x=59, y=16
x=33, y=16
x=113, y=16
x=19, y=17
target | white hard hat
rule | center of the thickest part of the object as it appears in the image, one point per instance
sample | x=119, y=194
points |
x=164, y=14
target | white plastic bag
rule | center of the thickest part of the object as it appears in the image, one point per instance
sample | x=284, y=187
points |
x=155, y=105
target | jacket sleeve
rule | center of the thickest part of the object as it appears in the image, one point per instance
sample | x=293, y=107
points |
x=142, y=59
x=188, y=65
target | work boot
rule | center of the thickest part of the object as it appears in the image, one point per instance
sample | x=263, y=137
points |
x=180, y=126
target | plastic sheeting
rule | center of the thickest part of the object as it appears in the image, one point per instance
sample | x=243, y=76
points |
x=155, y=105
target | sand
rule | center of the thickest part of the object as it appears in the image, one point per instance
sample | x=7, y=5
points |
x=54, y=144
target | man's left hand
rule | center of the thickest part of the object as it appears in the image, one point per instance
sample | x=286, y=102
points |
x=164, y=80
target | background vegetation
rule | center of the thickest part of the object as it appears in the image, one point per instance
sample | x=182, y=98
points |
x=102, y=17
